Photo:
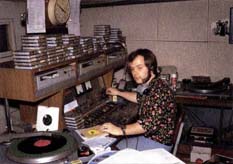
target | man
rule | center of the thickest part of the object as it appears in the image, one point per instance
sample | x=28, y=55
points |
x=157, y=110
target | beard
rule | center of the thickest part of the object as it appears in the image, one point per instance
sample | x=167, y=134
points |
x=145, y=80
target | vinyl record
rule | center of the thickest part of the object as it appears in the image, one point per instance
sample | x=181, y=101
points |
x=42, y=149
x=41, y=144
x=206, y=88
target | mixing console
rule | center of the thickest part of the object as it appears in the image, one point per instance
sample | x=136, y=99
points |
x=100, y=115
x=118, y=114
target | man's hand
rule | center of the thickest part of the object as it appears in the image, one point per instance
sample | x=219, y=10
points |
x=112, y=91
x=111, y=129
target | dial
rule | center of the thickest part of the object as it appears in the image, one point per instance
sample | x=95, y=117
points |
x=58, y=11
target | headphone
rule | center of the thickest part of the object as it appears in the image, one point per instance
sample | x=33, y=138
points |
x=143, y=89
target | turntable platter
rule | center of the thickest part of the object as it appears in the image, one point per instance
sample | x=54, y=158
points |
x=42, y=149
x=209, y=87
x=205, y=89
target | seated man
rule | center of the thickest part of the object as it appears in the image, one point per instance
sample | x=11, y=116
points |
x=157, y=109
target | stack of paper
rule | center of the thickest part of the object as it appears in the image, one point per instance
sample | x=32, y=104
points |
x=154, y=156
x=96, y=139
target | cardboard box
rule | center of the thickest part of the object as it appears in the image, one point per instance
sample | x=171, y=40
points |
x=203, y=153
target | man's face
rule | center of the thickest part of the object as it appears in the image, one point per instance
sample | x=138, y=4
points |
x=139, y=70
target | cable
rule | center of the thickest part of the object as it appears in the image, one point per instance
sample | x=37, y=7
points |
x=137, y=143
x=124, y=134
x=126, y=141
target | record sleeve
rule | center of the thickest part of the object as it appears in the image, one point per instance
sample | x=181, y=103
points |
x=92, y=132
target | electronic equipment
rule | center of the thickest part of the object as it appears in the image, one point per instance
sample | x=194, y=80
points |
x=101, y=113
x=208, y=86
x=202, y=135
x=142, y=89
x=11, y=136
x=54, y=79
x=202, y=86
x=43, y=148
x=91, y=65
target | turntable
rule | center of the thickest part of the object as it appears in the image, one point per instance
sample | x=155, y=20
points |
x=42, y=148
x=207, y=86
x=203, y=86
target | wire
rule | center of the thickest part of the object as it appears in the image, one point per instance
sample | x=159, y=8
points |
x=126, y=141
x=137, y=143
x=124, y=134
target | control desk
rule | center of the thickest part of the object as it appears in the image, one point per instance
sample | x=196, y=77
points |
x=46, y=85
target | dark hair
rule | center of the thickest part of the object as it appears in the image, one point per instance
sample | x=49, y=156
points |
x=149, y=58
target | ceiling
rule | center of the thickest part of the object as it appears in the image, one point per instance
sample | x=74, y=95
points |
x=103, y=3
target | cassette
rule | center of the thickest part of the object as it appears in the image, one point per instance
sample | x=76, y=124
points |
x=27, y=64
x=29, y=60
x=33, y=48
x=34, y=44
x=33, y=36
x=33, y=40
x=30, y=57
x=23, y=67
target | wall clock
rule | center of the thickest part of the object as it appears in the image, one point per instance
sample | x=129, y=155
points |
x=58, y=11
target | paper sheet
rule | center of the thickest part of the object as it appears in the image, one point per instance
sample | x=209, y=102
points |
x=154, y=156
x=74, y=21
x=36, y=16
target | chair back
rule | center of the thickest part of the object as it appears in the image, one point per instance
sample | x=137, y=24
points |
x=178, y=131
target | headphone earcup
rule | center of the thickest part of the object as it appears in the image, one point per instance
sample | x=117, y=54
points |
x=146, y=91
x=143, y=89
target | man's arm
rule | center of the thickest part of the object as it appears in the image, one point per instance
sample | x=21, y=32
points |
x=130, y=96
x=134, y=128
x=130, y=129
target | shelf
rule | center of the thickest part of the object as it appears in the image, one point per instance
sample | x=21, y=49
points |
x=36, y=84
x=105, y=3
x=20, y=84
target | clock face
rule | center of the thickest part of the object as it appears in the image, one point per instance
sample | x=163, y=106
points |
x=58, y=11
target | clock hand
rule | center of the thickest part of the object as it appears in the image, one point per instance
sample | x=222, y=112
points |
x=61, y=8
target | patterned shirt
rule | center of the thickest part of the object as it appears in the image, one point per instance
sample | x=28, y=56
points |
x=157, y=112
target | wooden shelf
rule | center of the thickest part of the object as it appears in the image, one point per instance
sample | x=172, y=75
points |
x=104, y=3
x=20, y=84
